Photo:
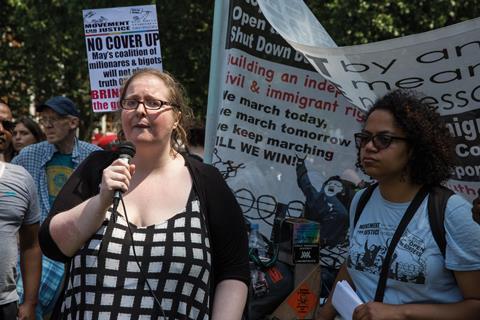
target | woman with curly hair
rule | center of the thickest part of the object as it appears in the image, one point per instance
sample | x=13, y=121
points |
x=408, y=150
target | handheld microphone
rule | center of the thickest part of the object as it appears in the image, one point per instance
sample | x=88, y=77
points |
x=126, y=152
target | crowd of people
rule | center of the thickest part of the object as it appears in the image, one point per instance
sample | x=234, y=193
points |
x=150, y=231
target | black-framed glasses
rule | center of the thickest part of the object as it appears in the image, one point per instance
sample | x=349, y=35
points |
x=380, y=141
x=8, y=125
x=50, y=121
x=150, y=104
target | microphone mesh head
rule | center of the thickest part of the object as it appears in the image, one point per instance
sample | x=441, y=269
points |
x=126, y=148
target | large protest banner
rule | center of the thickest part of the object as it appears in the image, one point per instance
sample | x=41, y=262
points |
x=119, y=41
x=271, y=115
x=442, y=64
x=279, y=130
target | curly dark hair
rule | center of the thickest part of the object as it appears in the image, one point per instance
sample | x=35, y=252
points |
x=432, y=146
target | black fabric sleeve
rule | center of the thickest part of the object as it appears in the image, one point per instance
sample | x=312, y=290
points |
x=82, y=185
x=228, y=231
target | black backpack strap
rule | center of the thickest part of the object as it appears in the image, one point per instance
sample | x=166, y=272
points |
x=362, y=202
x=407, y=217
x=437, y=203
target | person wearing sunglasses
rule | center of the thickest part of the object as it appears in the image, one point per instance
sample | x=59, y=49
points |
x=5, y=112
x=19, y=220
x=406, y=147
x=6, y=128
x=50, y=163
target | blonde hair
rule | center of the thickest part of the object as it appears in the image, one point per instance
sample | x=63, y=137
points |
x=176, y=96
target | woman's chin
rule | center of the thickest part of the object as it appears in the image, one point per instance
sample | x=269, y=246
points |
x=140, y=136
x=371, y=172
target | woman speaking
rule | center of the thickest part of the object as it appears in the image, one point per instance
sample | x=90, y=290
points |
x=176, y=247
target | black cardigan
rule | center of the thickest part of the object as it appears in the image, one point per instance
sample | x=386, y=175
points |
x=226, y=226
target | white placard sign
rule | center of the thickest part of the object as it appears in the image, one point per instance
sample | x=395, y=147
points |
x=119, y=41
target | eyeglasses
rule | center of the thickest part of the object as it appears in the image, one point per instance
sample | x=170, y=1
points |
x=150, y=104
x=380, y=141
x=50, y=121
x=8, y=125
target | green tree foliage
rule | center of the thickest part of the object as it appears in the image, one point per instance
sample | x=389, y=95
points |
x=42, y=51
x=42, y=47
x=353, y=22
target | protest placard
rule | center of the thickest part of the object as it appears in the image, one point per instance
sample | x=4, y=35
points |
x=280, y=132
x=119, y=41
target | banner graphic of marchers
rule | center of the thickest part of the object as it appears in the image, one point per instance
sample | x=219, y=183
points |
x=119, y=41
x=442, y=64
x=283, y=134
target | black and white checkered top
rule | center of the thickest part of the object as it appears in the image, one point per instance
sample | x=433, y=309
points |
x=106, y=283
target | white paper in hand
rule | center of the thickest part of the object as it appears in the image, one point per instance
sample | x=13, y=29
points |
x=345, y=300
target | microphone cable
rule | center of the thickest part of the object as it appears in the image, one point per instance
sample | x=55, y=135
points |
x=157, y=301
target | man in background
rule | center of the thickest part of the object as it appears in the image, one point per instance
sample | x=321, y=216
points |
x=6, y=129
x=5, y=112
x=19, y=215
x=50, y=163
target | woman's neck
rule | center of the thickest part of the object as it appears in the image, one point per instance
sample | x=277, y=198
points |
x=151, y=159
x=157, y=167
x=398, y=191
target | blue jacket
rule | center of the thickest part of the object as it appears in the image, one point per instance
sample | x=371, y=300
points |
x=34, y=159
